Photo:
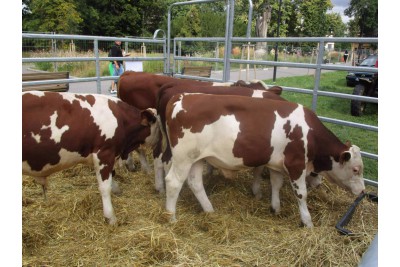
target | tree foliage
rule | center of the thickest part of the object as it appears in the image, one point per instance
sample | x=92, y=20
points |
x=143, y=17
x=365, y=13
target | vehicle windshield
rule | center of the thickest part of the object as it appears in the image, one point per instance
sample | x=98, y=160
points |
x=370, y=61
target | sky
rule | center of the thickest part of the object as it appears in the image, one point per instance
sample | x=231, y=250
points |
x=339, y=6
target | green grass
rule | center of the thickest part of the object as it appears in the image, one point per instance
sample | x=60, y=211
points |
x=338, y=108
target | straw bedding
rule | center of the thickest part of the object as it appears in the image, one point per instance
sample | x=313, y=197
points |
x=68, y=229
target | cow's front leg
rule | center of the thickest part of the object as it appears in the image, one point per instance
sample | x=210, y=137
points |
x=195, y=182
x=104, y=179
x=129, y=163
x=300, y=190
x=276, y=179
x=143, y=161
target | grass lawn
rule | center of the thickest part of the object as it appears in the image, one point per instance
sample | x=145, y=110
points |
x=338, y=108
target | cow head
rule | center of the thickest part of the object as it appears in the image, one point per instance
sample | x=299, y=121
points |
x=348, y=172
x=150, y=118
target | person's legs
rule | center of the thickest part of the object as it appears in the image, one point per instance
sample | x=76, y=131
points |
x=111, y=70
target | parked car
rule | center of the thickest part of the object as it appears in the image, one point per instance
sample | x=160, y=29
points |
x=353, y=77
x=366, y=84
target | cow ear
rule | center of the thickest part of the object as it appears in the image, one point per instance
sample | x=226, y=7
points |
x=148, y=116
x=275, y=89
x=348, y=143
x=345, y=156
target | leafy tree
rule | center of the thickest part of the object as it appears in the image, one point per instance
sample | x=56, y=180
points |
x=53, y=16
x=365, y=13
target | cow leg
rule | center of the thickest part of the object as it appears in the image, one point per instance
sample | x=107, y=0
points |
x=43, y=182
x=300, y=190
x=105, y=186
x=256, y=188
x=276, y=179
x=130, y=165
x=143, y=160
x=159, y=175
x=195, y=182
x=174, y=181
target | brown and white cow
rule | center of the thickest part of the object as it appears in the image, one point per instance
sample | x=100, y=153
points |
x=60, y=130
x=140, y=89
x=162, y=158
x=234, y=132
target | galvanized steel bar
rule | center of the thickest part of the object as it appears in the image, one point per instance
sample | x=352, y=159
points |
x=96, y=55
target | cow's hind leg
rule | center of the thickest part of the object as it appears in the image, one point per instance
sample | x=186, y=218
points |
x=195, y=182
x=159, y=175
x=256, y=188
x=174, y=181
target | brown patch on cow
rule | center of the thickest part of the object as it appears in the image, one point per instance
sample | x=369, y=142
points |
x=322, y=143
x=299, y=196
x=287, y=128
x=87, y=98
x=295, y=152
x=295, y=185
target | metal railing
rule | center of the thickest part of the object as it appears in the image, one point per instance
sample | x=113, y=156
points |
x=96, y=56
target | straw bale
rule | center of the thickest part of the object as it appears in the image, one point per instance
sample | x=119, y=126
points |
x=68, y=229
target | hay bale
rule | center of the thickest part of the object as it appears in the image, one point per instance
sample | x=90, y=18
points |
x=68, y=228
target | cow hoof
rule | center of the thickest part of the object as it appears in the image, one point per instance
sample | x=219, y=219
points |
x=258, y=195
x=309, y=225
x=115, y=188
x=275, y=211
x=112, y=220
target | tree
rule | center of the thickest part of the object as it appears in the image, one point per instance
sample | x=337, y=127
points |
x=52, y=16
x=365, y=13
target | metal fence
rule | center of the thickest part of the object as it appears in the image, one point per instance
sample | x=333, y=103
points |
x=96, y=50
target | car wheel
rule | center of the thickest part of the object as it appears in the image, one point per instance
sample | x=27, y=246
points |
x=358, y=107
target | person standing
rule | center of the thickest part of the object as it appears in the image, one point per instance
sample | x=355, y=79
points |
x=345, y=56
x=116, y=67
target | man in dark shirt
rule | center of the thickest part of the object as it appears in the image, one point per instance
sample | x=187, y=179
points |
x=117, y=66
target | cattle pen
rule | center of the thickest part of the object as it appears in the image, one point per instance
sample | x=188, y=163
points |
x=67, y=229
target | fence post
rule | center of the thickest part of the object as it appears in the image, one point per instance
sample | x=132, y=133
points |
x=317, y=74
x=96, y=54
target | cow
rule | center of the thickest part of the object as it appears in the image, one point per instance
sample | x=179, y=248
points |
x=140, y=89
x=235, y=132
x=162, y=158
x=60, y=130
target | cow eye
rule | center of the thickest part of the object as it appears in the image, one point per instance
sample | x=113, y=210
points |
x=356, y=170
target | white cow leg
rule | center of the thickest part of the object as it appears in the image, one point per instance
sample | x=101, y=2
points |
x=195, y=182
x=130, y=164
x=300, y=190
x=276, y=179
x=256, y=188
x=159, y=175
x=143, y=161
x=174, y=181
x=105, y=191
x=43, y=182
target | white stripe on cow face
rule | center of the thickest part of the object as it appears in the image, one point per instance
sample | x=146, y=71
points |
x=56, y=133
x=279, y=137
x=102, y=115
x=258, y=93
